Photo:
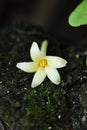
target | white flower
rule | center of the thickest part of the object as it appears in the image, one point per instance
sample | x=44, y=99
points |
x=43, y=66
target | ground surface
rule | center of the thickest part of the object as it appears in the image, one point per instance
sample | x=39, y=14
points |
x=47, y=107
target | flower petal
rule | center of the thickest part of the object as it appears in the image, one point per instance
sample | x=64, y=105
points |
x=44, y=47
x=53, y=75
x=27, y=66
x=56, y=62
x=38, y=77
x=35, y=52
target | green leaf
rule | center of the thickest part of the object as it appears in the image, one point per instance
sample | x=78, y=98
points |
x=79, y=16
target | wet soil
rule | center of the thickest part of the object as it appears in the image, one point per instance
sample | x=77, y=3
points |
x=47, y=107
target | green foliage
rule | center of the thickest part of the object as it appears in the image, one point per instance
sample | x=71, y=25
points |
x=79, y=16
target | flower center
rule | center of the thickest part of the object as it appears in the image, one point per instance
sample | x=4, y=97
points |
x=43, y=63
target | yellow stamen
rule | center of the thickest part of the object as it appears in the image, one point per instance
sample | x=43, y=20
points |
x=43, y=63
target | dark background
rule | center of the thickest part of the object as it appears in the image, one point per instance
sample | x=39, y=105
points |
x=51, y=15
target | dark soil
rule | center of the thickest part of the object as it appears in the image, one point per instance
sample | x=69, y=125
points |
x=47, y=107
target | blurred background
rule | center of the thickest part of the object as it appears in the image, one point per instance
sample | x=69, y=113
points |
x=50, y=15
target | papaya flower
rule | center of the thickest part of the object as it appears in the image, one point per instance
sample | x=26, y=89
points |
x=43, y=65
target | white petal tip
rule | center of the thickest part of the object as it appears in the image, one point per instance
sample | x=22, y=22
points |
x=34, y=43
x=18, y=65
x=57, y=82
x=33, y=86
x=65, y=62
